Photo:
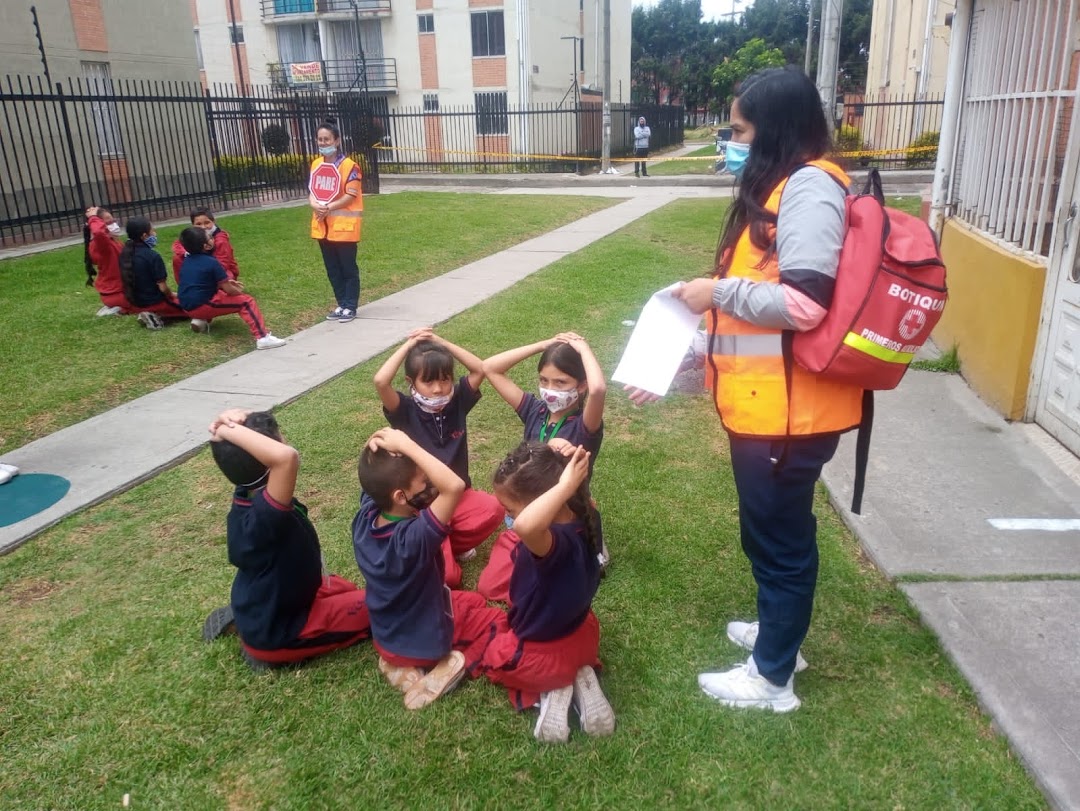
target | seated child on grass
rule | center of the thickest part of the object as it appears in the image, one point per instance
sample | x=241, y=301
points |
x=433, y=414
x=223, y=251
x=550, y=650
x=569, y=412
x=417, y=623
x=206, y=291
x=283, y=606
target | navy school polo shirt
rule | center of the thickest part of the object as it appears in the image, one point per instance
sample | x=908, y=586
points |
x=551, y=596
x=275, y=550
x=443, y=435
x=403, y=567
x=200, y=274
x=534, y=414
x=147, y=269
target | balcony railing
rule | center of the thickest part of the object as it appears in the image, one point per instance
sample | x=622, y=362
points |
x=336, y=75
x=276, y=9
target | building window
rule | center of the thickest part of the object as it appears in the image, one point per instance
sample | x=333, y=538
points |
x=487, y=34
x=491, y=117
x=237, y=34
x=431, y=103
x=427, y=23
x=98, y=82
x=198, y=50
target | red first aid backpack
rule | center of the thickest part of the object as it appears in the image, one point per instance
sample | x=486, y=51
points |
x=889, y=295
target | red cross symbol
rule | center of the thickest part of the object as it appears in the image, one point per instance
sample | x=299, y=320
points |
x=912, y=323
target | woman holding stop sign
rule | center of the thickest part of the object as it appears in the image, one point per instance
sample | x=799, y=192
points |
x=337, y=210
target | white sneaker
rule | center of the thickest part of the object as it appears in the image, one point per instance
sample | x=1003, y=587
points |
x=743, y=686
x=553, y=725
x=200, y=325
x=468, y=554
x=268, y=341
x=744, y=634
x=151, y=320
x=9, y=469
x=108, y=311
x=594, y=711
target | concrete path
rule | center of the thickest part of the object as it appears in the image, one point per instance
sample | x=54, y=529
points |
x=942, y=466
x=169, y=425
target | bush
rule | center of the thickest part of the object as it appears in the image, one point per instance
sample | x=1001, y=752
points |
x=849, y=139
x=239, y=172
x=918, y=154
x=276, y=140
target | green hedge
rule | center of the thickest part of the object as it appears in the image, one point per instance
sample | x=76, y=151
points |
x=238, y=172
x=918, y=155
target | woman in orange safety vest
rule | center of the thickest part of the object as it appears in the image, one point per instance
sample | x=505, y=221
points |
x=774, y=274
x=336, y=225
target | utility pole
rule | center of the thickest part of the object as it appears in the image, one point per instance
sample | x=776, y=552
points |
x=829, y=55
x=605, y=149
x=809, y=35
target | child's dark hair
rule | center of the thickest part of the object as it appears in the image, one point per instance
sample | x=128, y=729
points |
x=91, y=271
x=194, y=240
x=137, y=228
x=202, y=211
x=429, y=360
x=330, y=125
x=381, y=473
x=565, y=358
x=239, y=466
x=531, y=469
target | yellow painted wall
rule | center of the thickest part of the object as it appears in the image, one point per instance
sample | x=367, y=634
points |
x=992, y=316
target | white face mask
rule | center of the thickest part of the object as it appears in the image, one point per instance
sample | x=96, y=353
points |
x=557, y=400
x=113, y=228
x=432, y=405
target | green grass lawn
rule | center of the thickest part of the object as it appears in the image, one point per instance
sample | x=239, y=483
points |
x=106, y=688
x=682, y=167
x=67, y=365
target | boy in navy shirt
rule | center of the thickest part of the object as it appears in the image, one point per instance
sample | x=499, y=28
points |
x=283, y=606
x=223, y=250
x=434, y=414
x=206, y=291
x=417, y=623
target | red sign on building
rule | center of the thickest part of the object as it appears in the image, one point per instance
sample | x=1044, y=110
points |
x=325, y=183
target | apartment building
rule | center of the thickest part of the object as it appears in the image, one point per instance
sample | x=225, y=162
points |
x=428, y=54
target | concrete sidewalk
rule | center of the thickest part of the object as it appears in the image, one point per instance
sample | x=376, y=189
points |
x=943, y=465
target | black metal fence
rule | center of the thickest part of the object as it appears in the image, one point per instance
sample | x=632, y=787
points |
x=892, y=132
x=494, y=136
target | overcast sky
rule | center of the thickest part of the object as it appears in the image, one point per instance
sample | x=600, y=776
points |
x=710, y=9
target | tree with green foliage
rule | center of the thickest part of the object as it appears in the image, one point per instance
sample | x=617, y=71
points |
x=755, y=55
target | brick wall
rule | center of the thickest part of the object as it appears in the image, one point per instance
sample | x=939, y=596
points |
x=489, y=71
x=493, y=143
x=485, y=3
x=194, y=4
x=433, y=138
x=429, y=63
x=423, y=5
x=89, y=22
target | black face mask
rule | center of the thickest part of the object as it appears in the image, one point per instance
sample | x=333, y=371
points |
x=423, y=499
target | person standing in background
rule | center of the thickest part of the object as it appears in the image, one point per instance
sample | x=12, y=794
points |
x=642, y=134
x=336, y=224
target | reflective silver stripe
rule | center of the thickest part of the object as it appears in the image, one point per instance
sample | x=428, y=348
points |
x=341, y=212
x=747, y=345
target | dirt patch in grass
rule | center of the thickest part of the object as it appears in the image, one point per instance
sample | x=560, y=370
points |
x=27, y=592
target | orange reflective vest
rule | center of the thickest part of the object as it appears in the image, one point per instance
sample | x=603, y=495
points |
x=342, y=224
x=746, y=363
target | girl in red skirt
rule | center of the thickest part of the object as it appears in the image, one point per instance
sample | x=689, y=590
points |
x=549, y=655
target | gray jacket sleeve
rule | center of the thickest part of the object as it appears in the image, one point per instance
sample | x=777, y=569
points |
x=809, y=236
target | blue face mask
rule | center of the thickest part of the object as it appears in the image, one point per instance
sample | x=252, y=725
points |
x=328, y=151
x=150, y=241
x=735, y=157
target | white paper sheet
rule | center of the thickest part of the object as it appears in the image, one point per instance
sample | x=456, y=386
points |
x=663, y=333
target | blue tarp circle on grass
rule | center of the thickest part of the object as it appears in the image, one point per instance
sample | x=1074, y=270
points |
x=28, y=494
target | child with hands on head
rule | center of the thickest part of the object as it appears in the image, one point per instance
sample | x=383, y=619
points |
x=569, y=412
x=101, y=249
x=284, y=607
x=206, y=291
x=550, y=650
x=428, y=637
x=434, y=414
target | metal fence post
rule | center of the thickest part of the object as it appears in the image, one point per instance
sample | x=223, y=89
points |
x=71, y=147
x=219, y=180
